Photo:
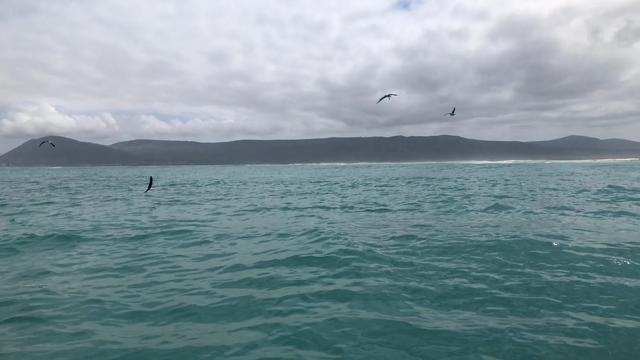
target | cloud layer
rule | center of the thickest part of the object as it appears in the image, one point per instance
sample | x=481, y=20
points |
x=279, y=69
x=45, y=119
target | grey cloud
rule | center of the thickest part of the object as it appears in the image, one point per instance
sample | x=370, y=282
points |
x=220, y=71
x=538, y=68
x=629, y=34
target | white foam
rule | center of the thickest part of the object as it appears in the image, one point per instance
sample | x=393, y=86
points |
x=473, y=162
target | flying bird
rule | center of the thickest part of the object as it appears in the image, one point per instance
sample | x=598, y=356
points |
x=452, y=113
x=150, y=184
x=47, y=142
x=388, y=96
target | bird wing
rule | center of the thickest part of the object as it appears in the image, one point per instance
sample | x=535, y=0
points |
x=150, y=183
x=393, y=94
x=41, y=143
x=382, y=98
x=454, y=110
x=52, y=144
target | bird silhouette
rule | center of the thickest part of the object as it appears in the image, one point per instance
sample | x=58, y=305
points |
x=388, y=96
x=452, y=113
x=150, y=184
x=47, y=142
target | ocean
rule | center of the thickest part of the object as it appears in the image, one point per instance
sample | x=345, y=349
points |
x=524, y=260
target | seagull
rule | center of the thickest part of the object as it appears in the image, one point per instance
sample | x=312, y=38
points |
x=47, y=142
x=150, y=184
x=388, y=96
x=452, y=113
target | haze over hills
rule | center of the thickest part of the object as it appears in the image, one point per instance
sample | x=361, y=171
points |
x=69, y=152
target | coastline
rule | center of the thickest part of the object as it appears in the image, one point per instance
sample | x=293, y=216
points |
x=362, y=163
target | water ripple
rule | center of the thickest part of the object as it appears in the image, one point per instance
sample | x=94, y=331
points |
x=322, y=262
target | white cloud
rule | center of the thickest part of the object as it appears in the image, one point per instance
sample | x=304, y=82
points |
x=44, y=119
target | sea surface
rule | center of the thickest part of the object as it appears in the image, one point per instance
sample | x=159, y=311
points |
x=363, y=261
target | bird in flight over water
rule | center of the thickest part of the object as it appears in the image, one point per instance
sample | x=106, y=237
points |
x=388, y=96
x=452, y=113
x=150, y=184
x=47, y=142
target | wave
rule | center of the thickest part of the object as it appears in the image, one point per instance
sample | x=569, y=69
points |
x=475, y=162
x=498, y=207
x=321, y=262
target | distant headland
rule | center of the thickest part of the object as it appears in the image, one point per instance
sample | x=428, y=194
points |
x=70, y=152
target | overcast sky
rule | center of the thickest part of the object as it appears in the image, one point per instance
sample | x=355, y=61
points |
x=107, y=71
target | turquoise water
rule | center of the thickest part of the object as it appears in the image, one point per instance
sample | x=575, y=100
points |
x=378, y=261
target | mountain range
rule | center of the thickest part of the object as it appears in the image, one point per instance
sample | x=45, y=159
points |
x=70, y=152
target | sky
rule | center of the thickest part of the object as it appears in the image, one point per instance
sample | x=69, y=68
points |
x=112, y=70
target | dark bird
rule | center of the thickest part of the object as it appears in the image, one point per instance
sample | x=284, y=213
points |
x=388, y=96
x=150, y=184
x=47, y=142
x=452, y=113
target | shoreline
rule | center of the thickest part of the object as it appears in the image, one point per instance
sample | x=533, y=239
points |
x=361, y=163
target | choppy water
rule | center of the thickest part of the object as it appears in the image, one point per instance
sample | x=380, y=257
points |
x=458, y=261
